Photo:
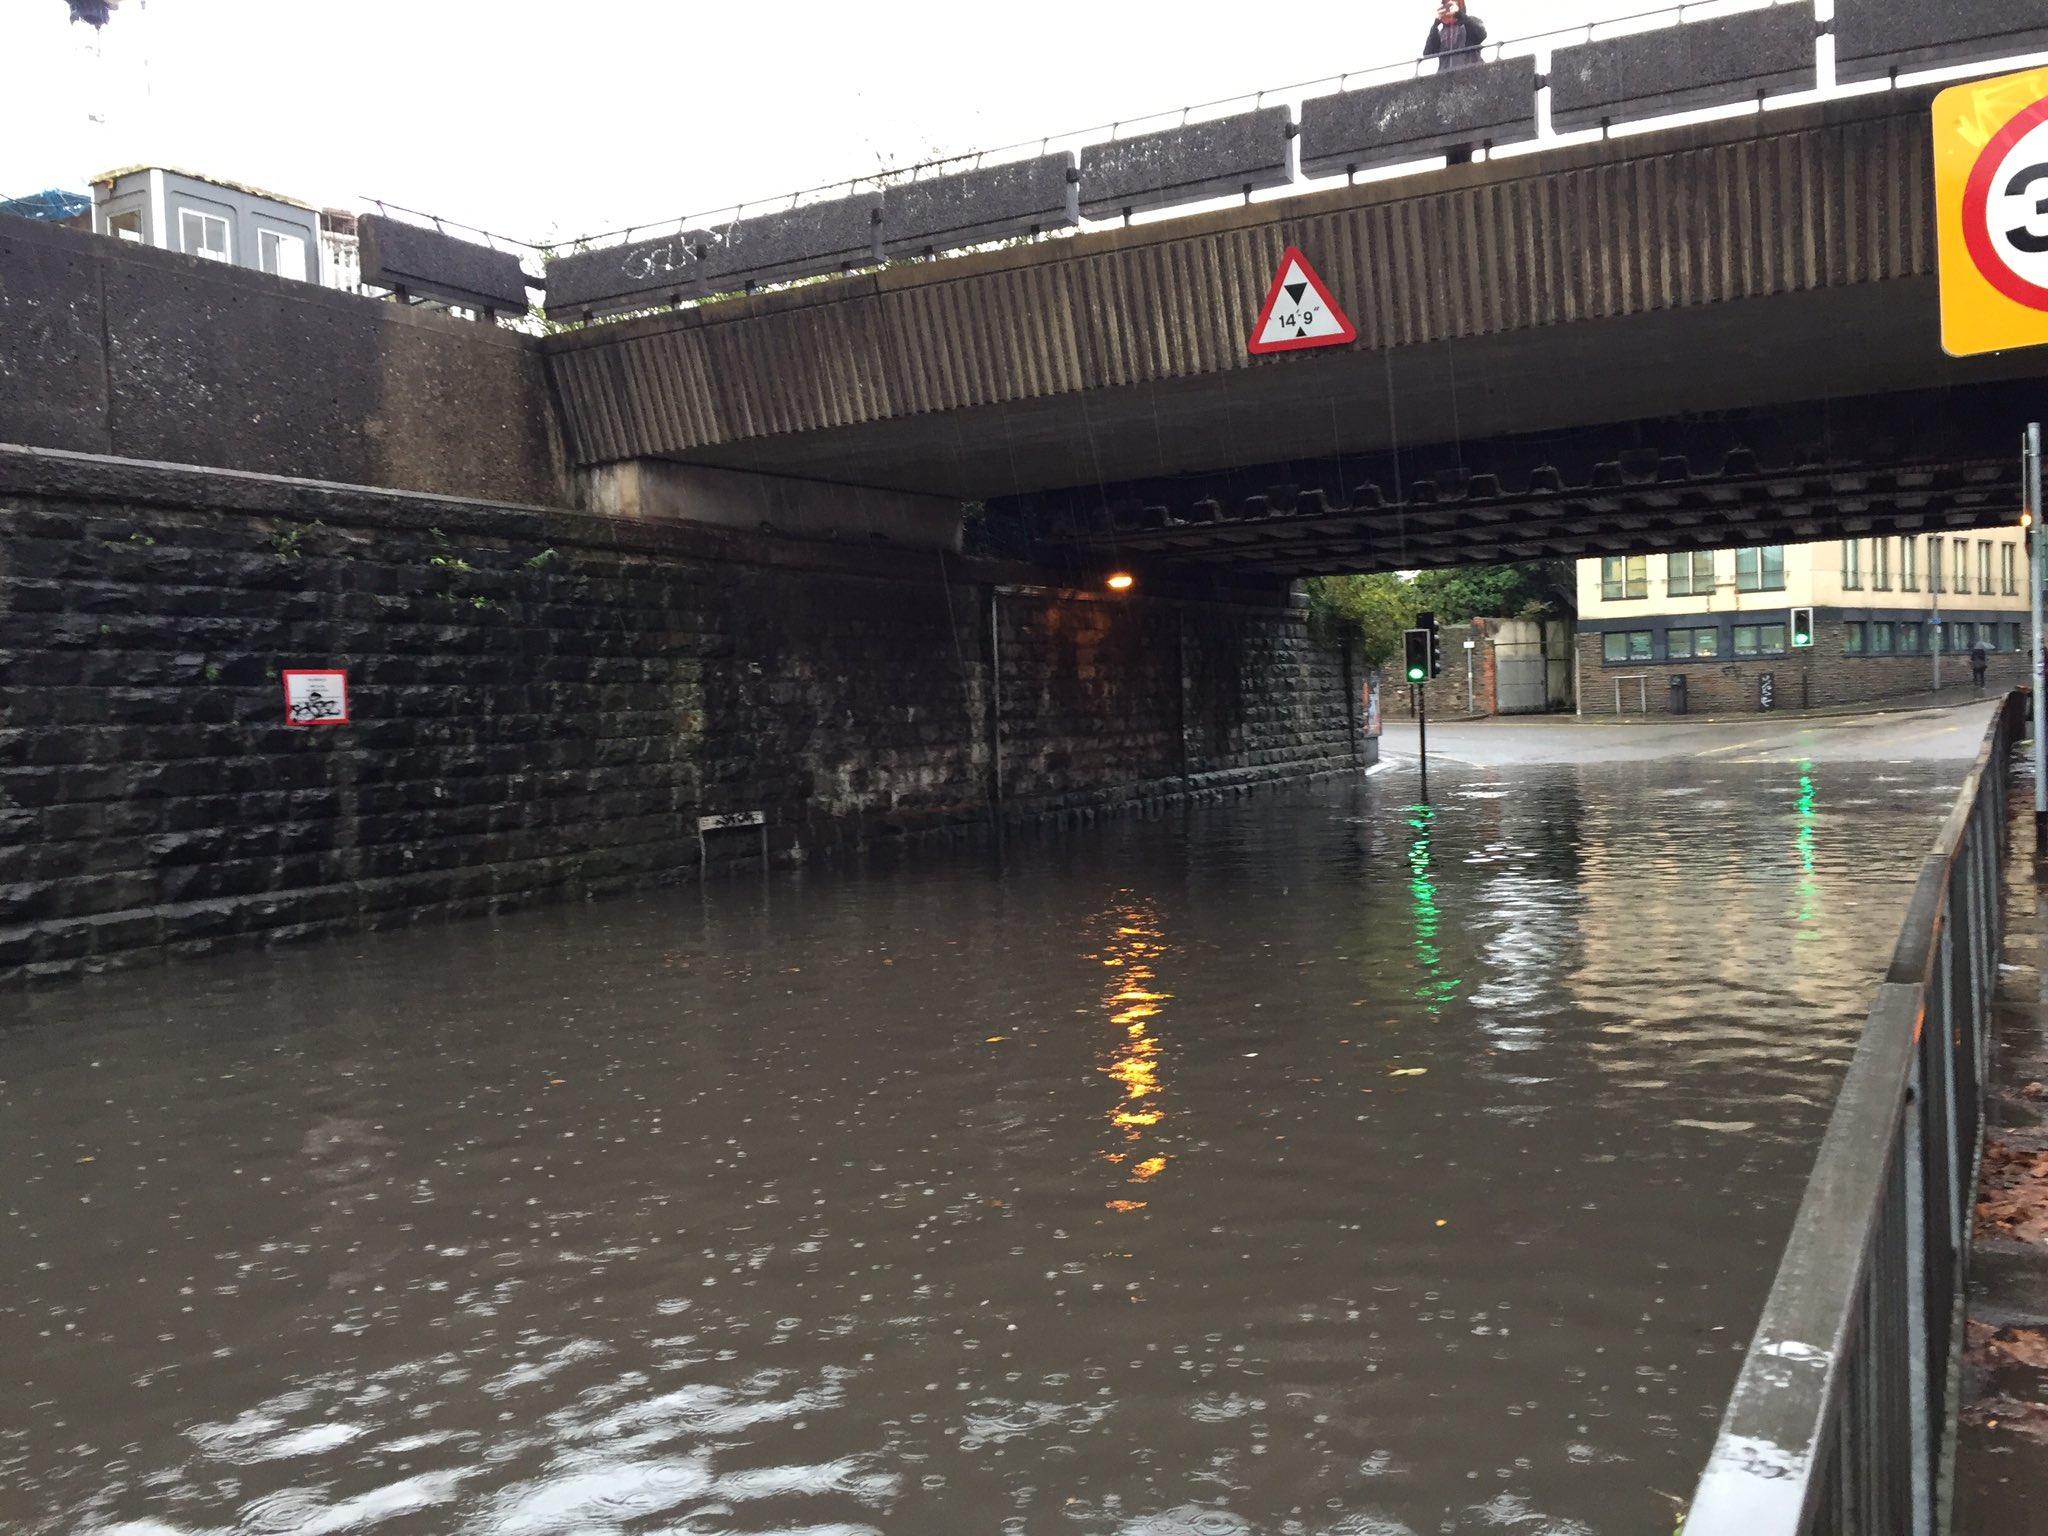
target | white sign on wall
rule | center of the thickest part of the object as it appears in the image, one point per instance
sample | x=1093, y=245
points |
x=315, y=698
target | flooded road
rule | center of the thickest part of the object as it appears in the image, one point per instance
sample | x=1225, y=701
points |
x=1319, y=1164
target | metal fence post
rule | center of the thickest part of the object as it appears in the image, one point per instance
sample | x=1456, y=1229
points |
x=1857, y=1440
x=2037, y=569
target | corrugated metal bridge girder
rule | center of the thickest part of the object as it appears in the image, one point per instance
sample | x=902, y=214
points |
x=1079, y=335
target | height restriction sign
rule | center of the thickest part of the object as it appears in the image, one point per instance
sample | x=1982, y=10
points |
x=1991, y=202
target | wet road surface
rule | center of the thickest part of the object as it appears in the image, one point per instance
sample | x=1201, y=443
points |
x=1955, y=731
x=1318, y=1164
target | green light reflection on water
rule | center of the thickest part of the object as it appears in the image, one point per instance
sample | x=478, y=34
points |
x=1436, y=988
x=1803, y=841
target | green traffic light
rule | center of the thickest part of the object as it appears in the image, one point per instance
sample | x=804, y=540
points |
x=1415, y=674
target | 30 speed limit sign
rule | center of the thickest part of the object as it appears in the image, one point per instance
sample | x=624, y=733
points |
x=1991, y=195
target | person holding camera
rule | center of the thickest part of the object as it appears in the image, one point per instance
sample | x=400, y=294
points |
x=1455, y=37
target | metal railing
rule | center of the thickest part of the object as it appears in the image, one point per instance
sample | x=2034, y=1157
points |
x=1841, y=1420
x=1407, y=66
x=1642, y=682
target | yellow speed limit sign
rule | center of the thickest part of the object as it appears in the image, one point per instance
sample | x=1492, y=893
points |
x=1991, y=199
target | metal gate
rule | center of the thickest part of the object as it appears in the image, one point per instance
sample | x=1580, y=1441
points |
x=1521, y=671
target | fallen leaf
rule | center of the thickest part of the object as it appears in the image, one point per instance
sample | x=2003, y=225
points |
x=1408, y=1072
x=2019, y=1346
x=2012, y=1193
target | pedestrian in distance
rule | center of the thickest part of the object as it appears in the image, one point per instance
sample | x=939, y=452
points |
x=1978, y=662
x=1455, y=37
x=1453, y=41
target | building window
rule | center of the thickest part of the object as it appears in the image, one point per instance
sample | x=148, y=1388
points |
x=1912, y=639
x=1624, y=576
x=203, y=234
x=281, y=255
x=1933, y=563
x=2005, y=562
x=1984, y=566
x=1759, y=639
x=1959, y=569
x=1690, y=575
x=1760, y=570
x=126, y=226
x=1881, y=639
x=1684, y=644
x=1626, y=645
x=1852, y=639
x=1909, y=579
x=1852, y=564
x=2012, y=631
x=1881, y=564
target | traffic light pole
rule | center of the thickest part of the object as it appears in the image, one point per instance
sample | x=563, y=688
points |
x=1422, y=734
x=2039, y=565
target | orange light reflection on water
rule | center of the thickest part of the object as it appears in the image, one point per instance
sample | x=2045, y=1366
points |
x=1133, y=1004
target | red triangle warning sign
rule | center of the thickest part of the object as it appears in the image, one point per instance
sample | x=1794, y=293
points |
x=1299, y=311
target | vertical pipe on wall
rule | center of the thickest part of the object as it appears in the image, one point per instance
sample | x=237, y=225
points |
x=2034, y=570
x=1350, y=701
x=1180, y=633
x=995, y=709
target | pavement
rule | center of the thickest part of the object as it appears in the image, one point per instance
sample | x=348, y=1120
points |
x=1952, y=728
x=2001, y=1469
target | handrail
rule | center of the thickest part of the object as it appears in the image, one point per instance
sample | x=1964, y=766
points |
x=1410, y=66
x=1841, y=1419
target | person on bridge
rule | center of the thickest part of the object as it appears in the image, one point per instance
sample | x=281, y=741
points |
x=1454, y=43
x=1455, y=38
x=1978, y=662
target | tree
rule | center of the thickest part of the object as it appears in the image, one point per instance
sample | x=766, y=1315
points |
x=1375, y=608
x=1537, y=589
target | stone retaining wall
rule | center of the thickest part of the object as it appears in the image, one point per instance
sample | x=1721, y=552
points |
x=545, y=702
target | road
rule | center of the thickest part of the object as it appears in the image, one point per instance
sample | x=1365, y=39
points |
x=1924, y=735
x=1321, y=1161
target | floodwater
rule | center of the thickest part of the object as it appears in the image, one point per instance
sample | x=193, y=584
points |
x=1316, y=1164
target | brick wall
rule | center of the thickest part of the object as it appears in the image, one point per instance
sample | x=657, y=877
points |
x=544, y=703
x=1820, y=677
x=1447, y=692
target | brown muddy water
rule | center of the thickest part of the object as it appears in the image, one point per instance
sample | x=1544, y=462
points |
x=1311, y=1165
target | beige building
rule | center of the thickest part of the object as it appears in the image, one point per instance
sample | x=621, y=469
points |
x=1714, y=629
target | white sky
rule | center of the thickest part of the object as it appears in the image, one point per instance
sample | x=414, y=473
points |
x=540, y=120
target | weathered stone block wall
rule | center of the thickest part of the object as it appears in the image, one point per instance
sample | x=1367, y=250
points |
x=1259, y=697
x=116, y=348
x=543, y=704
x=1090, y=699
x=1819, y=678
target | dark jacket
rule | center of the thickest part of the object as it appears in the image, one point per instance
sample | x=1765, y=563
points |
x=1461, y=49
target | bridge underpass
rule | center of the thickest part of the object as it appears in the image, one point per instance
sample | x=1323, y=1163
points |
x=1920, y=462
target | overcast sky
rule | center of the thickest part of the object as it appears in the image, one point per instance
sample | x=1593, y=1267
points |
x=560, y=119
x=553, y=120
